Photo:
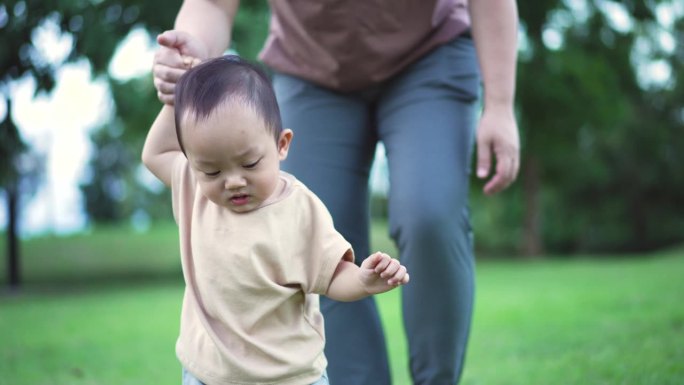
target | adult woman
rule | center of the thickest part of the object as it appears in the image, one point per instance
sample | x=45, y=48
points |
x=349, y=74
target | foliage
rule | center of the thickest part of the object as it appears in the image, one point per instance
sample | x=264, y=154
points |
x=113, y=190
x=95, y=29
x=117, y=187
x=600, y=145
x=599, y=164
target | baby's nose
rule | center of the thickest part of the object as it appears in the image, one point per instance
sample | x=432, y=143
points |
x=234, y=182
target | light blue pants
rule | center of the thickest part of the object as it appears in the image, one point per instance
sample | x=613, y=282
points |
x=189, y=379
x=425, y=118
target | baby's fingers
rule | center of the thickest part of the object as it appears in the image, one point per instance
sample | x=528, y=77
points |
x=391, y=269
x=381, y=260
x=401, y=277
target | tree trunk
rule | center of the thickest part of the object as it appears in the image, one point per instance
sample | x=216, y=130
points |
x=9, y=176
x=532, y=240
x=14, y=276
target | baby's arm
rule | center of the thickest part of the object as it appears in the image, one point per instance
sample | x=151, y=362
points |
x=378, y=273
x=161, y=146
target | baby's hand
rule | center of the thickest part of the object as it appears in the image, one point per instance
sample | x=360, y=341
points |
x=381, y=273
x=189, y=61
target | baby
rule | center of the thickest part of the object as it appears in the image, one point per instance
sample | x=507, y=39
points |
x=257, y=246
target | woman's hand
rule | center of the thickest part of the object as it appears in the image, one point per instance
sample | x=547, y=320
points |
x=178, y=52
x=497, y=137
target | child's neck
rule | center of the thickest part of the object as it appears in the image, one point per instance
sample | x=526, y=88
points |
x=279, y=192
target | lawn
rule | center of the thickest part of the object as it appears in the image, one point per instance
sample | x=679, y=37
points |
x=103, y=309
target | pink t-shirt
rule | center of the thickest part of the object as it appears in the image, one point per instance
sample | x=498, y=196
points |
x=348, y=45
x=250, y=311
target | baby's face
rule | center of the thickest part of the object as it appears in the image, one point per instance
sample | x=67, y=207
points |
x=235, y=157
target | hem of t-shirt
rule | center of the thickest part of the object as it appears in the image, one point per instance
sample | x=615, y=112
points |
x=311, y=376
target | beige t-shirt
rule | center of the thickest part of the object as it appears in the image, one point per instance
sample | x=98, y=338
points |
x=349, y=45
x=250, y=311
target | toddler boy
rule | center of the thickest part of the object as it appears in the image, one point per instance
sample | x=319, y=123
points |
x=257, y=246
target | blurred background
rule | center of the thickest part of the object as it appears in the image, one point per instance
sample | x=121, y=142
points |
x=595, y=220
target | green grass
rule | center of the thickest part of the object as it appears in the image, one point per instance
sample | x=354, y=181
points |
x=122, y=335
x=103, y=309
x=104, y=255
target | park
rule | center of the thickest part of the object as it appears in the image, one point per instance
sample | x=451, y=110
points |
x=579, y=264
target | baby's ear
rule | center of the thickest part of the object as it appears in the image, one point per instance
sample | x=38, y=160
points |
x=284, y=143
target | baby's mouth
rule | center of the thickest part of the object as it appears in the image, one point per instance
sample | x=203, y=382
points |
x=239, y=199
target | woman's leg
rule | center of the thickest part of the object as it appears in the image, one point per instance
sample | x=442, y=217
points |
x=426, y=120
x=331, y=152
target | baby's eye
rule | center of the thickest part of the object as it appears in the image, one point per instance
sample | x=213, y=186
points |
x=252, y=165
x=215, y=173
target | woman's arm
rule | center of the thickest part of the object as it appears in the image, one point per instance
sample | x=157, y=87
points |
x=209, y=21
x=202, y=30
x=495, y=32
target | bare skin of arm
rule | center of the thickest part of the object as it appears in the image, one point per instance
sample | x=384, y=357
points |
x=495, y=32
x=161, y=146
x=202, y=30
x=378, y=273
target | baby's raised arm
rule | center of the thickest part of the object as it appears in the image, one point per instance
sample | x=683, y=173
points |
x=161, y=146
x=378, y=273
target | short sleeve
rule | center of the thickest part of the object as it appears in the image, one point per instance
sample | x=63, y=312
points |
x=183, y=186
x=325, y=246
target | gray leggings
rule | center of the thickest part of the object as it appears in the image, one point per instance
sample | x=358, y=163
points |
x=425, y=117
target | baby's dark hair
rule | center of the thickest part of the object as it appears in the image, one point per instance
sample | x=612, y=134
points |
x=225, y=79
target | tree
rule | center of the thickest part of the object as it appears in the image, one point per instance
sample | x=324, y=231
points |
x=11, y=146
x=113, y=191
x=599, y=165
x=95, y=29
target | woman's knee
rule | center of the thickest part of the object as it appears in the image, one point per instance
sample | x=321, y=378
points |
x=428, y=224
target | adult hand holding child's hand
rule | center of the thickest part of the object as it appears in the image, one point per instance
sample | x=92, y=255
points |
x=178, y=51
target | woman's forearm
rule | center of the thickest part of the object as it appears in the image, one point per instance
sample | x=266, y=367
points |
x=495, y=32
x=210, y=21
